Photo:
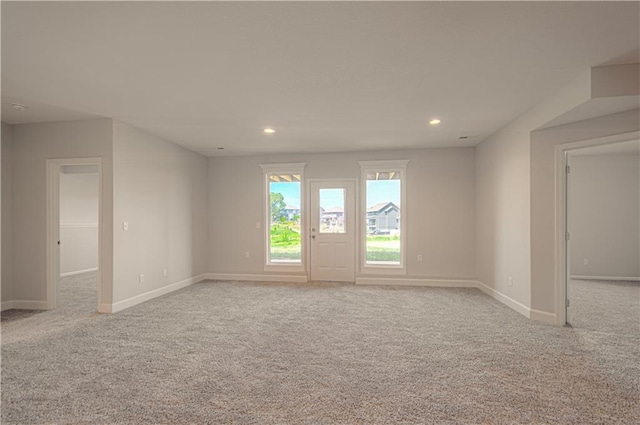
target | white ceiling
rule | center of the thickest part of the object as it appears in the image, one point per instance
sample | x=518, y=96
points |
x=329, y=77
x=596, y=107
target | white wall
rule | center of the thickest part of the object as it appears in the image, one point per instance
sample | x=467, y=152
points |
x=503, y=204
x=33, y=144
x=440, y=208
x=78, y=221
x=502, y=220
x=160, y=191
x=515, y=190
x=543, y=192
x=6, y=290
x=604, y=215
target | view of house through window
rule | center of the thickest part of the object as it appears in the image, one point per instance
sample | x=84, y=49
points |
x=285, y=241
x=332, y=211
x=383, y=228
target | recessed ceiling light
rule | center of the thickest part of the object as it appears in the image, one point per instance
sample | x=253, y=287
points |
x=269, y=130
x=18, y=107
x=434, y=121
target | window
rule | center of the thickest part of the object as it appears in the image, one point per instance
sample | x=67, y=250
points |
x=384, y=211
x=283, y=206
x=331, y=215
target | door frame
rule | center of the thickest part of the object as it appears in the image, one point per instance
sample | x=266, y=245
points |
x=561, y=217
x=357, y=220
x=53, y=167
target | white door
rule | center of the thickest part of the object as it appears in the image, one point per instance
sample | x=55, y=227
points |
x=332, y=230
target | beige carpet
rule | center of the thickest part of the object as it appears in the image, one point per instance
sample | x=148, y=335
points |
x=251, y=353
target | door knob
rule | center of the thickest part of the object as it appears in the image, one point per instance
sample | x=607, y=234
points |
x=313, y=236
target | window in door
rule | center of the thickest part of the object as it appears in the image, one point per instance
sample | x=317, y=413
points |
x=332, y=213
x=384, y=214
x=284, y=213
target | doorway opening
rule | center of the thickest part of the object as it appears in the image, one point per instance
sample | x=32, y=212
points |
x=603, y=237
x=74, y=220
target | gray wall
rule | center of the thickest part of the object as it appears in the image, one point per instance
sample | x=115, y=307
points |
x=515, y=171
x=503, y=195
x=604, y=215
x=160, y=191
x=33, y=144
x=543, y=192
x=78, y=221
x=440, y=208
x=7, y=225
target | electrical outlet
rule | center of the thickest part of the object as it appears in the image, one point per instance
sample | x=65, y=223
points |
x=510, y=280
x=246, y=254
x=141, y=278
x=419, y=257
x=164, y=272
x=585, y=262
x=257, y=225
x=125, y=226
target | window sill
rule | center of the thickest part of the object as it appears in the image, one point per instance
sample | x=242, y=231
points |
x=284, y=266
x=379, y=269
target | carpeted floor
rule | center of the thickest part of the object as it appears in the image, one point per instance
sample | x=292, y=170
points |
x=251, y=353
x=78, y=296
x=605, y=306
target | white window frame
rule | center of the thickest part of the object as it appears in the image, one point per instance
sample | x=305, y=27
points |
x=289, y=168
x=399, y=166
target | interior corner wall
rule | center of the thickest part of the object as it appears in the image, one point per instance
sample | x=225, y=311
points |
x=78, y=222
x=543, y=190
x=6, y=290
x=32, y=145
x=440, y=208
x=160, y=190
x=502, y=193
x=604, y=216
x=503, y=202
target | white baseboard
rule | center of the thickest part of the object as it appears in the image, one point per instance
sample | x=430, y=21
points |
x=24, y=305
x=504, y=299
x=256, y=277
x=105, y=308
x=138, y=299
x=529, y=313
x=633, y=279
x=94, y=269
x=543, y=316
x=400, y=281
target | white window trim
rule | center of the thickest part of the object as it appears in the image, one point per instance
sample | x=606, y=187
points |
x=393, y=165
x=290, y=168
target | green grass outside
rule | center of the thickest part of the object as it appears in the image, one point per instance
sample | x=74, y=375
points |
x=286, y=244
x=286, y=252
x=383, y=248
x=383, y=238
x=285, y=235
